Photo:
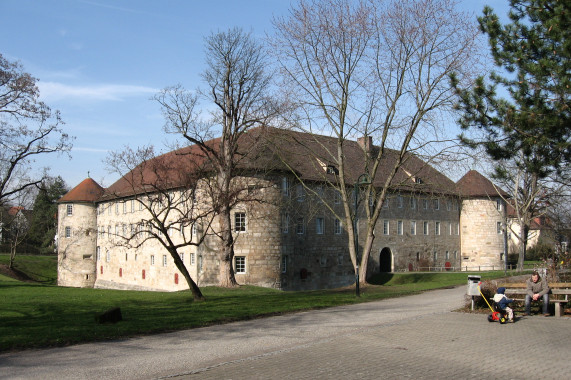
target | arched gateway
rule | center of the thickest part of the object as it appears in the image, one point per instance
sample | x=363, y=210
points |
x=385, y=260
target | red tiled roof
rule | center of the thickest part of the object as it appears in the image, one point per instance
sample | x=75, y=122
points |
x=474, y=184
x=264, y=149
x=87, y=191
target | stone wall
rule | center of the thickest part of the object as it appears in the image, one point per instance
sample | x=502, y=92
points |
x=77, y=252
x=412, y=247
x=482, y=242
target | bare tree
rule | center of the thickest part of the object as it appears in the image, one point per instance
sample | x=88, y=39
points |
x=15, y=222
x=530, y=195
x=374, y=70
x=28, y=128
x=237, y=85
x=166, y=187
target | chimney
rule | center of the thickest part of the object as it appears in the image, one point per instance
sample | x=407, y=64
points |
x=366, y=142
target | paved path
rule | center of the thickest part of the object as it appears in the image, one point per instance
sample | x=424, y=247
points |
x=410, y=337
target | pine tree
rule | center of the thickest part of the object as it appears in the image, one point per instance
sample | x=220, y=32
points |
x=533, y=122
x=44, y=220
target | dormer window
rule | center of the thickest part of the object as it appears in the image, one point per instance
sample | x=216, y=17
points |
x=417, y=180
x=331, y=170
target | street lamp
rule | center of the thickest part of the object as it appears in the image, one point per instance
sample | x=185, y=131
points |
x=363, y=180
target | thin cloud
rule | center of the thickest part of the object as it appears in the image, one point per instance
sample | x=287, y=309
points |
x=54, y=91
x=114, y=7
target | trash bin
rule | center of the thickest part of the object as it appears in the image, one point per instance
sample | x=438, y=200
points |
x=473, y=282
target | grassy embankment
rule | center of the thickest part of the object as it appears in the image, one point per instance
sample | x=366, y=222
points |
x=41, y=314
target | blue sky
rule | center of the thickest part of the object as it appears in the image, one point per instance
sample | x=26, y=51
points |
x=100, y=61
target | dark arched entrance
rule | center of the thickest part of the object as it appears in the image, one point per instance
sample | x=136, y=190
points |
x=385, y=260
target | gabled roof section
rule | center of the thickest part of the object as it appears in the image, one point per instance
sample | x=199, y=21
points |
x=265, y=150
x=87, y=191
x=474, y=184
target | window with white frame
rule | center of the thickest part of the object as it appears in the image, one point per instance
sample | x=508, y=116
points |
x=107, y=255
x=337, y=197
x=425, y=228
x=386, y=227
x=98, y=253
x=69, y=210
x=240, y=264
x=448, y=205
x=386, y=202
x=413, y=227
x=239, y=222
x=285, y=223
x=300, y=192
x=300, y=226
x=285, y=186
x=436, y=204
x=68, y=232
x=425, y=204
x=284, y=263
x=457, y=228
x=319, y=226
x=319, y=192
x=192, y=258
x=437, y=228
x=164, y=260
x=399, y=227
x=338, y=226
x=132, y=205
x=435, y=256
x=412, y=203
x=499, y=204
x=400, y=201
x=499, y=227
x=124, y=207
x=109, y=207
x=152, y=259
x=182, y=257
x=323, y=260
x=447, y=255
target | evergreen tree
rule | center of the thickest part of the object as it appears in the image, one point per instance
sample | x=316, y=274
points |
x=44, y=220
x=533, y=52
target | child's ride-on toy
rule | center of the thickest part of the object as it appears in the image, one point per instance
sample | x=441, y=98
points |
x=497, y=313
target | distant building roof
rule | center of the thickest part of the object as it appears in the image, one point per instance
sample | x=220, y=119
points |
x=474, y=184
x=87, y=191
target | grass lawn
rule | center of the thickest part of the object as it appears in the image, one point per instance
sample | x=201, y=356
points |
x=40, y=315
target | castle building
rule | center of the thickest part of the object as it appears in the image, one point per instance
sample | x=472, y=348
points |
x=288, y=235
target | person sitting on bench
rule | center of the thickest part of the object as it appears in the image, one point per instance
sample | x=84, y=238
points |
x=537, y=288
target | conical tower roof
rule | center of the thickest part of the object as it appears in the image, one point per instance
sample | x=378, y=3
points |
x=87, y=191
x=474, y=184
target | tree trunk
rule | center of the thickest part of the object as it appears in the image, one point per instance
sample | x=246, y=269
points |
x=227, y=278
x=523, y=247
x=12, y=256
x=196, y=292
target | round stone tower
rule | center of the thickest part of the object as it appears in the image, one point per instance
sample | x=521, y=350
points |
x=77, y=235
x=482, y=222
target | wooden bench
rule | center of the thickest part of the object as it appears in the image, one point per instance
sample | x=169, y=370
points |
x=562, y=289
